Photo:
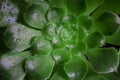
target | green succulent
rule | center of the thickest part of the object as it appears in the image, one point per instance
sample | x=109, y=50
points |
x=59, y=40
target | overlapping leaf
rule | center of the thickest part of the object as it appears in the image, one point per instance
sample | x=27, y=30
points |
x=18, y=37
x=76, y=69
x=41, y=46
x=35, y=16
x=39, y=67
x=8, y=13
x=66, y=39
x=11, y=65
x=107, y=23
x=104, y=60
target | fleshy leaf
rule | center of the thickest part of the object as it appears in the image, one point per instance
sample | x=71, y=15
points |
x=3, y=47
x=82, y=33
x=35, y=16
x=65, y=33
x=8, y=13
x=107, y=5
x=79, y=48
x=107, y=23
x=57, y=43
x=18, y=4
x=61, y=56
x=114, y=39
x=92, y=5
x=58, y=3
x=17, y=37
x=71, y=19
x=76, y=7
x=55, y=14
x=64, y=37
x=103, y=60
x=39, y=67
x=57, y=77
x=11, y=65
x=110, y=76
x=41, y=46
x=86, y=22
x=43, y=3
x=76, y=69
x=92, y=75
x=50, y=30
x=95, y=39
x=117, y=73
x=60, y=74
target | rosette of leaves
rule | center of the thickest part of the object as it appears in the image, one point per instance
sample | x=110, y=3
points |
x=59, y=40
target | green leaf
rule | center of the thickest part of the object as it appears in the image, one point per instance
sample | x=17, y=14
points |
x=74, y=39
x=49, y=30
x=41, y=46
x=71, y=19
x=11, y=65
x=82, y=33
x=3, y=47
x=76, y=7
x=11, y=59
x=86, y=22
x=39, y=67
x=17, y=37
x=8, y=13
x=68, y=31
x=58, y=3
x=114, y=39
x=92, y=75
x=64, y=31
x=61, y=56
x=95, y=37
x=57, y=77
x=107, y=5
x=110, y=76
x=79, y=48
x=57, y=43
x=60, y=74
x=103, y=60
x=35, y=16
x=107, y=23
x=55, y=14
x=43, y=3
x=92, y=5
x=18, y=4
x=76, y=69
x=117, y=73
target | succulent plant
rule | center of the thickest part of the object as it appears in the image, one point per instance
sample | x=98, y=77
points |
x=59, y=40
